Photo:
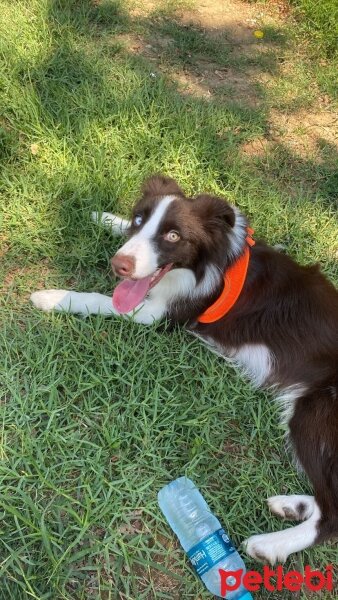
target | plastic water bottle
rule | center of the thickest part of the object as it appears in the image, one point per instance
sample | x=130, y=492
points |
x=202, y=537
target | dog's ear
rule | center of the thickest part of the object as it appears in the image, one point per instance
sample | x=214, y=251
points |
x=214, y=211
x=160, y=185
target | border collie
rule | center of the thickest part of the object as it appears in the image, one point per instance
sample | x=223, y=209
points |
x=281, y=328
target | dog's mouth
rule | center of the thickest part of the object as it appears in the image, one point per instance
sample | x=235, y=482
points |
x=131, y=292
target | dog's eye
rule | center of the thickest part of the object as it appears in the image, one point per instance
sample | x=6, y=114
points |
x=172, y=236
x=137, y=220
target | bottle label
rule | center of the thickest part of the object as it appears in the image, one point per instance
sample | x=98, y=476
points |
x=207, y=553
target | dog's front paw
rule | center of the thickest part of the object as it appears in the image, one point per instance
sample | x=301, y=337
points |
x=267, y=548
x=117, y=225
x=47, y=300
x=97, y=218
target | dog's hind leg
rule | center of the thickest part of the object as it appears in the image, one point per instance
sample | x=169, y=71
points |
x=314, y=435
x=116, y=224
x=276, y=547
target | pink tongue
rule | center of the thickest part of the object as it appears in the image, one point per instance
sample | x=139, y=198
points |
x=128, y=294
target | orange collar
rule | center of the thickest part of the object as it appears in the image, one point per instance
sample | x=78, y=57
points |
x=234, y=279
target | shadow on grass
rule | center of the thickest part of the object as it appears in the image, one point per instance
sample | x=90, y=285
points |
x=73, y=84
x=125, y=96
x=136, y=91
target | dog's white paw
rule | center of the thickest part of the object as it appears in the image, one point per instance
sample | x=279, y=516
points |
x=293, y=507
x=47, y=300
x=104, y=218
x=96, y=217
x=267, y=547
x=117, y=225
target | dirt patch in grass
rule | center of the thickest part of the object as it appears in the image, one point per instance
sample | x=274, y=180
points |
x=238, y=17
x=256, y=147
x=162, y=576
x=227, y=30
x=224, y=81
x=4, y=245
x=252, y=65
x=19, y=278
x=305, y=133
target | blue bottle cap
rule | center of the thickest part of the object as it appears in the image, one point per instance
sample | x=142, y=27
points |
x=246, y=596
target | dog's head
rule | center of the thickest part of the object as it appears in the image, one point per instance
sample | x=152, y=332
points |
x=170, y=231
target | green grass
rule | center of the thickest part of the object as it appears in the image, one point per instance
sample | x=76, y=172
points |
x=97, y=415
x=320, y=21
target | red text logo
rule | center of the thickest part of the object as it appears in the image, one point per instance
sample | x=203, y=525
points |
x=276, y=580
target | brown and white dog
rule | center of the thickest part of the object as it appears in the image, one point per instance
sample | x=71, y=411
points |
x=282, y=330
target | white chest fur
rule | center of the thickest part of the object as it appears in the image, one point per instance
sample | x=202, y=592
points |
x=254, y=360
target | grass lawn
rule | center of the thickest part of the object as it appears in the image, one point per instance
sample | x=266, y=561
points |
x=96, y=415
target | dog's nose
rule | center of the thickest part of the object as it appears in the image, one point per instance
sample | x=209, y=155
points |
x=123, y=265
